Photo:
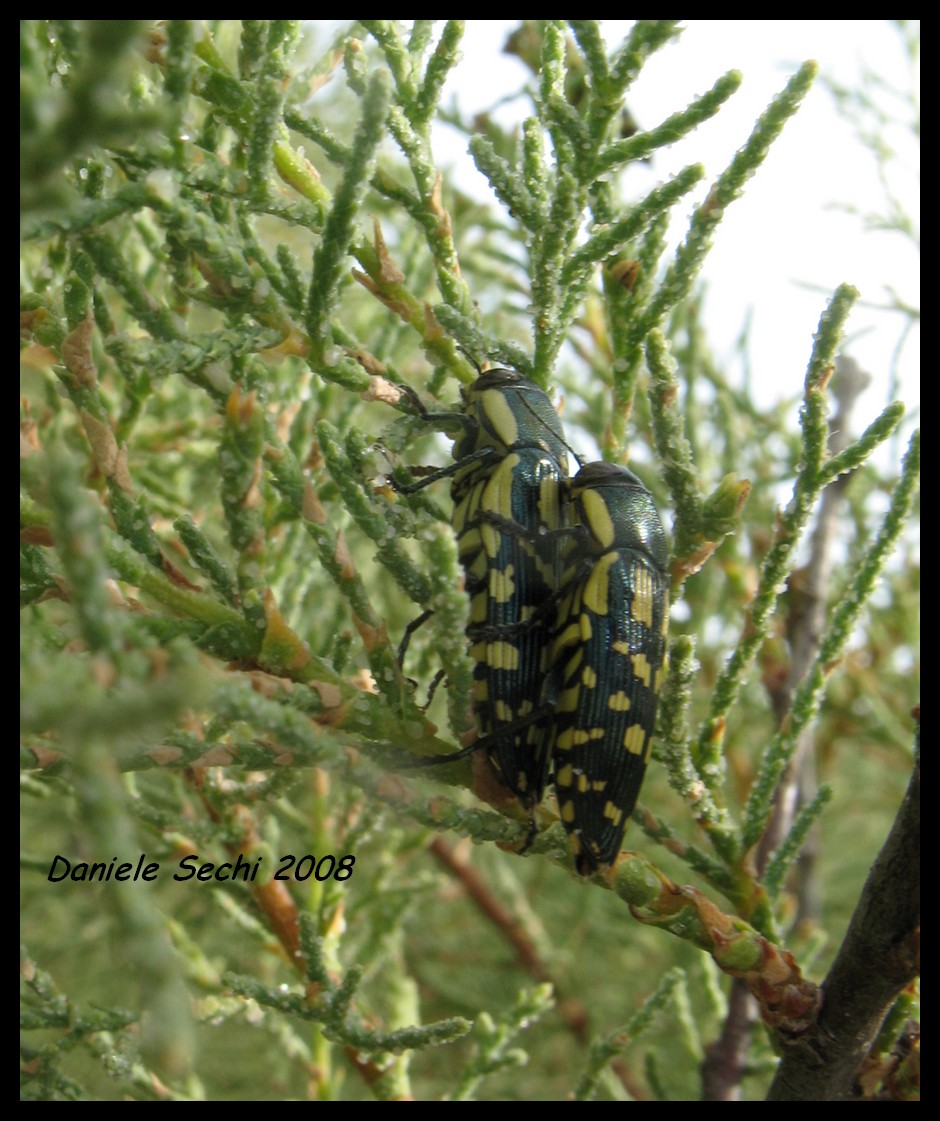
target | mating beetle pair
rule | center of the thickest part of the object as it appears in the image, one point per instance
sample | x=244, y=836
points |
x=568, y=611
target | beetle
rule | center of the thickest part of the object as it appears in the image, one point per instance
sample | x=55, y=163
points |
x=510, y=476
x=608, y=657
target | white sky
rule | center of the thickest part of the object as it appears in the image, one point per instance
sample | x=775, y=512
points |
x=783, y=234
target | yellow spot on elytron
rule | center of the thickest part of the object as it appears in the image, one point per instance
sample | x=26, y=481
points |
x=581, y=737
x=613, y=813
x=503, y=584
x=568, y=637
x=643, y=669
x=641, y=609
x=548, y=500
x=490, y=538
x=588, y=677
x=502, y=712
x=564, y=775
x=597, y=585
x=500, y=416
x=572, y=665
x=502, y=655
x=469, y=540
x=567, y=812
x=564, y=740
x=635, y=739
x=477, y=567
x=621, y=647
x=597, y=516
x=478, y=608
x=497, y=494
x=584, y=783
x=618, y=702
x=480, y=690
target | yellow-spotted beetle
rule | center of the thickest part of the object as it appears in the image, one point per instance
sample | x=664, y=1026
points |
x=509, y=485
x=608, y=657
